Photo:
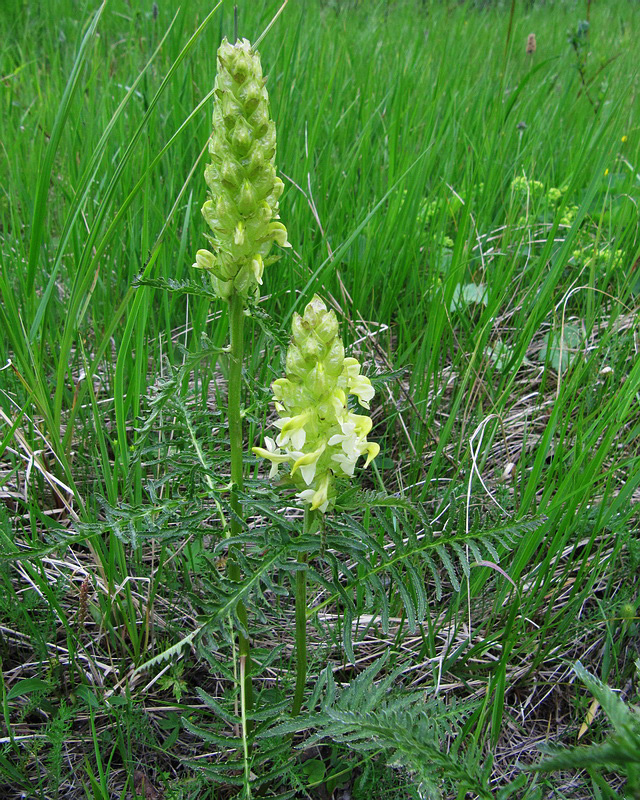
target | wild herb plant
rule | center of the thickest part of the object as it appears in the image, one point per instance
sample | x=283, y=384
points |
x=319, y=437
x=242, y=212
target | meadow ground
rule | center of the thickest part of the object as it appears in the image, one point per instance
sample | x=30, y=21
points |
x=470, y=210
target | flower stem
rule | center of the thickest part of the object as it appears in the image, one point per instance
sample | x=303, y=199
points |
x=245, y=729
x=236, y=328
x=301, y=623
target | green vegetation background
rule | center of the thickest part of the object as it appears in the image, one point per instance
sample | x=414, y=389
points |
x=471, y=208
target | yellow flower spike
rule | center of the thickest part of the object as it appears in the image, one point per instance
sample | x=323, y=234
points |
x=320, y=436
x=242, y=209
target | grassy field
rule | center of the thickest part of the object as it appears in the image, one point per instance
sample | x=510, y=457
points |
x=470, y=210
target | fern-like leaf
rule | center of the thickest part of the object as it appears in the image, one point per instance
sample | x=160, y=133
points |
x=391, y=552
x=411, y=731
x=620, y=751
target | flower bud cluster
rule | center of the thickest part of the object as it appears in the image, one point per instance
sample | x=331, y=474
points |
x=242, y=208
x=319, y=436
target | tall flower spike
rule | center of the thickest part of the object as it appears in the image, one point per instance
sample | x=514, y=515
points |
x=242, y=207
x=319, y=438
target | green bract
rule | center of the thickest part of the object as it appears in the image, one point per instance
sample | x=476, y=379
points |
x=319, y=437
x=242, y=208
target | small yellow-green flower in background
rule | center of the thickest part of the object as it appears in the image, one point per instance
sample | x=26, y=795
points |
x=570, y=213
x=319, y=436
x=554, y=195
x=603, y=257
x=624, y=138
x=527, y=188
x=242, y=208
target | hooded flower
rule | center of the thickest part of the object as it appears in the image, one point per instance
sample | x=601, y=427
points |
x=319, y=436
x=242, y=207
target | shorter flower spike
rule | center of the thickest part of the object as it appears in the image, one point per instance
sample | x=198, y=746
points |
x=319, y=438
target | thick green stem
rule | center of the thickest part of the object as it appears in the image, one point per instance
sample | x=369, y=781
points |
x=234, y=415
x=245, y=729
x=301, y=624
x=236, y=328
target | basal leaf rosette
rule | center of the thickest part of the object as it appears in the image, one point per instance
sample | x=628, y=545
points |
x=319, y=436
x=242, y=206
